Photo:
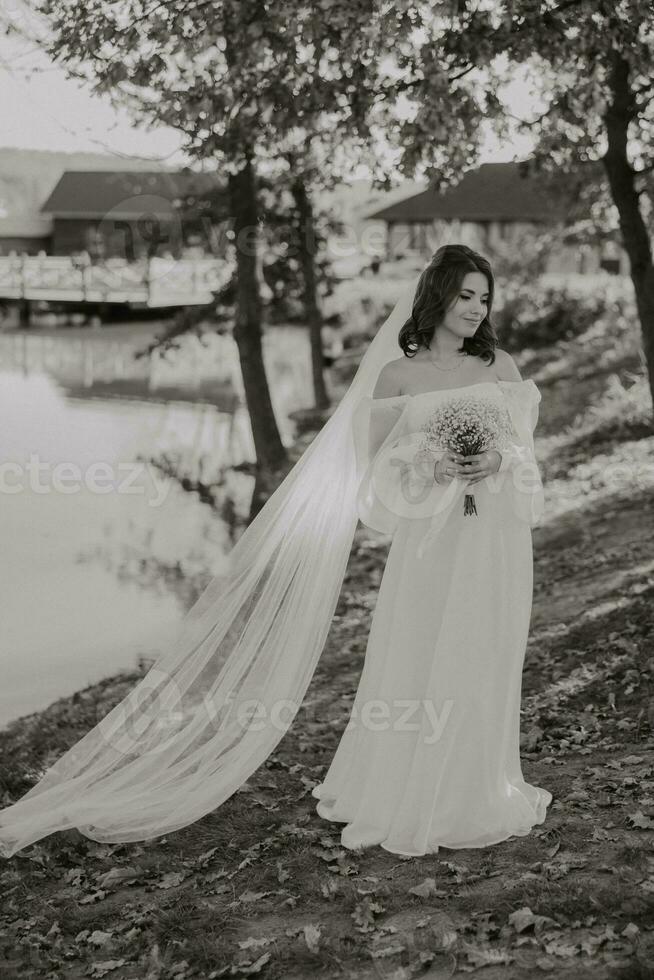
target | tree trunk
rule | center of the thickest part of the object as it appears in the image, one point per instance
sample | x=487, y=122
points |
x=310, y=290
x=270, y=452
x=621, y=181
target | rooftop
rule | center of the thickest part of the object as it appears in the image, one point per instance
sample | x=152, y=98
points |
x=492, y=192
x=124, y=193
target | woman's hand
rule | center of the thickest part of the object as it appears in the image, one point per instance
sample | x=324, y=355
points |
x=481, y=465
x=449, y=466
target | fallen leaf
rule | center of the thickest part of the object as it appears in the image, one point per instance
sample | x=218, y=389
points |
x=248, y=969
x=202, y=860
x=101, y=969
x=642, y=822
x=560, y=948
x=312, y=937
x=330, y=888
x=74, y=876
x=364, y=914
x=427, y=889
x=524, y=918
x=117, y=875
x=393, y=950
x=171, y=880
x=486, y=956
x=93, y=897
x=252, y=943
x=282, y=874
x=250, y=896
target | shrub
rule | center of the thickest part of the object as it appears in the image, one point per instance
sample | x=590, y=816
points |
x=541, y=315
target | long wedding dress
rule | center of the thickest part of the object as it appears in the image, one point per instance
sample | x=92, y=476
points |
x=430, y=756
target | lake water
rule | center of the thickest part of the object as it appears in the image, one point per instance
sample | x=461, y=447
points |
x=100, y=550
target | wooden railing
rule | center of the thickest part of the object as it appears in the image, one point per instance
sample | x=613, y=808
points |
x=154, y=282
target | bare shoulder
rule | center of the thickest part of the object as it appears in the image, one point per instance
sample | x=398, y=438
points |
x=506, y=368
x=389, y=380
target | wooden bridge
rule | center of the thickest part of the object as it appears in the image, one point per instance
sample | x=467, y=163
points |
x=154, y=282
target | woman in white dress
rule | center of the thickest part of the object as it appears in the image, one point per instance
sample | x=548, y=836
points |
x=435, y=760
x=430, y=756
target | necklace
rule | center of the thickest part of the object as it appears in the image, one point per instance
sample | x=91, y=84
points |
x=459, y=355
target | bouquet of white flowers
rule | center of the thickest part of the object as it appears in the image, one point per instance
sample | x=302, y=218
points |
x=466, y=425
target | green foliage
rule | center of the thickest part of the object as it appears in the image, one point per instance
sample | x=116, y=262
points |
x=281, y=241
x=541, y=316
x=567, y=55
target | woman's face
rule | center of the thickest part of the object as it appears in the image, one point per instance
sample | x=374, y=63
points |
x=469, y=307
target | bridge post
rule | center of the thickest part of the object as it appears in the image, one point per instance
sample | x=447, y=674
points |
x=24, y=312
x=24, y=308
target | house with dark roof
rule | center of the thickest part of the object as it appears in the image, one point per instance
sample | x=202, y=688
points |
x=490, y=208
x=127, y=214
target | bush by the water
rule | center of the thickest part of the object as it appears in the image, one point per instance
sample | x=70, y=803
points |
x=540, y=315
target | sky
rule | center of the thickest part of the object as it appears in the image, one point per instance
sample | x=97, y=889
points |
x=42, y=109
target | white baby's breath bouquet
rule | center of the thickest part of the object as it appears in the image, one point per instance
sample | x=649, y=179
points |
x=466, y=425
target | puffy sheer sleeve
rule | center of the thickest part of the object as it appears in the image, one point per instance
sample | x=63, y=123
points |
x=519, y=461
x=395, y=477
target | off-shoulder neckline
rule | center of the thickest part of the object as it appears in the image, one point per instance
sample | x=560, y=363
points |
x=475, y=384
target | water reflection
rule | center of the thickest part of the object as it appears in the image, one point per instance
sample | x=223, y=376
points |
x=102, y=552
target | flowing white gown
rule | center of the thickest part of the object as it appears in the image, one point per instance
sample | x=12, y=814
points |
x=430, y=756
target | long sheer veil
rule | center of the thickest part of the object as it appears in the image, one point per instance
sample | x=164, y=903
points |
x=214, y=706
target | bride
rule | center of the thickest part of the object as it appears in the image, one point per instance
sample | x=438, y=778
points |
x=430, y=756
x=434, y=447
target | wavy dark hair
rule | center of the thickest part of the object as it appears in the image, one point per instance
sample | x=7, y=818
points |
x=437, y=288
